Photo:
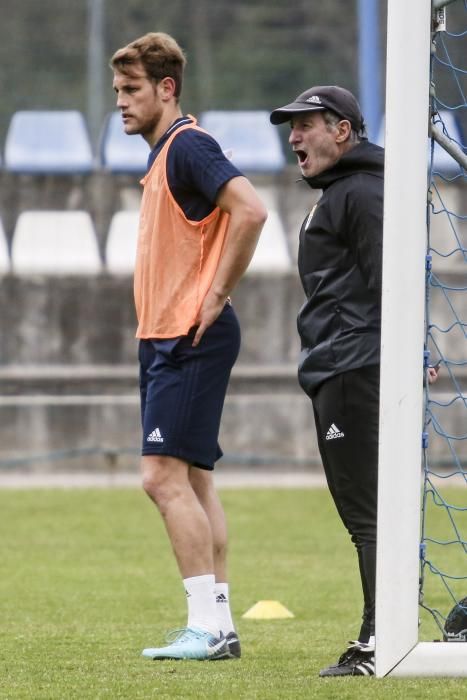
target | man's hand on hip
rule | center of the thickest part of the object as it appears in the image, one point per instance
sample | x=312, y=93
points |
x=210, y=310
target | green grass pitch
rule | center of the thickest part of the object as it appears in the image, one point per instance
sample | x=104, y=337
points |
x=88, y=580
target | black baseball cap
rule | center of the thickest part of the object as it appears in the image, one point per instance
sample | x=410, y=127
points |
x=319, y=98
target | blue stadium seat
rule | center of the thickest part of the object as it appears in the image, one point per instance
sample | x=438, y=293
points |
x=442, y=161
x=48, y=142
x=253, y=141
x=120, y=153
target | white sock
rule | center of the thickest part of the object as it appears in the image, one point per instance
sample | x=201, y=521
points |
x=370, y=644
x=201, y=601
x=224, y=615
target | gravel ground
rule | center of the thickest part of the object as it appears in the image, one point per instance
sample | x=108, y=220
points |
x=232, y=478
x=224, y=478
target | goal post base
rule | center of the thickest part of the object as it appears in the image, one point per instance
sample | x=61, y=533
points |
x=430, y=659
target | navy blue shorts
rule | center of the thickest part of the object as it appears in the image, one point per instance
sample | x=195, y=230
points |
x=183, y=390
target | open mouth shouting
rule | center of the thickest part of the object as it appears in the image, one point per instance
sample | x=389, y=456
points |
x=302, y=156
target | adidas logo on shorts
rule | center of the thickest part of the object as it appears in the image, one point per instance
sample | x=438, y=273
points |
x=334, y=433
x=155, y=436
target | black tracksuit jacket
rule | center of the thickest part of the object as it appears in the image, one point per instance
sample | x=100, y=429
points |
x=340, y=266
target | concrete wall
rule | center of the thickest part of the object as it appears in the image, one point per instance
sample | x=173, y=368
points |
x=68, y=371
x=69, y=384
x=68, y=375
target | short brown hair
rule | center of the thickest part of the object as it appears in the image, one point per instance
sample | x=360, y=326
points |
x=158, y=53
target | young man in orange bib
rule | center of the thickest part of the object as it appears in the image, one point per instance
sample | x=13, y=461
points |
x=199, y=224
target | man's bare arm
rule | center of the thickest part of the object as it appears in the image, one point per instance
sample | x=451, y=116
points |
x=247, y=217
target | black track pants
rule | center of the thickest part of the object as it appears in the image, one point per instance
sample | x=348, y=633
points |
x=346, y=409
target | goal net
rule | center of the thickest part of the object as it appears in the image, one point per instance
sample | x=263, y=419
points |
x=422, y=532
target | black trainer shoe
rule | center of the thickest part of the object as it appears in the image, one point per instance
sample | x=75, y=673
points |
x=233, y=643
x=358, y=660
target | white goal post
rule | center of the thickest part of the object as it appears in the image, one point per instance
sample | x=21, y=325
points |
x=398, y=651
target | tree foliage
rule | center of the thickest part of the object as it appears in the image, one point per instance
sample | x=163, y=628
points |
x=243, y=54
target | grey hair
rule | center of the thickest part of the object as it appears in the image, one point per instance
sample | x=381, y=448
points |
x=333, y=119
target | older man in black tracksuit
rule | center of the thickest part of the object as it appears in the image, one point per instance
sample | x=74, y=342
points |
x=340, y=265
